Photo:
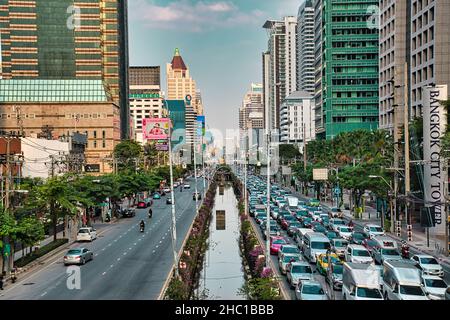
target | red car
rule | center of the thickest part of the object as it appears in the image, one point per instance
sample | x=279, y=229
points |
x=286, y=220
x=275, y=244
x=142, y=205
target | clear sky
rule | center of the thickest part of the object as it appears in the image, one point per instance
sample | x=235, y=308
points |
x=220, y=41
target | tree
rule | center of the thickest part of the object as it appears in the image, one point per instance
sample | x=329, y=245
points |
x=288, y=152
x=128, y=153
x=30, y=231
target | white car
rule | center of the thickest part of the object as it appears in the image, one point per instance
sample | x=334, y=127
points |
x=310, y=290
x=187, y=186
x=428, y=264
x=335, y=222
x=357, y=254
x=316, y=215
x=373, y=230
x=166, y=190
x=86, y=234
x=434, y=287
x=345, y=232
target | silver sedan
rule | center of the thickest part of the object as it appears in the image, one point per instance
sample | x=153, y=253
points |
x=78, y=256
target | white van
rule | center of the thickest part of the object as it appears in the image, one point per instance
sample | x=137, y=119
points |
x=361, y=282
x=315, y=243
x=402, y=281
x=86, y=234
x=301, y=232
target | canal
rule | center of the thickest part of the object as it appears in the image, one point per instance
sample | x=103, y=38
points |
x=222, y=274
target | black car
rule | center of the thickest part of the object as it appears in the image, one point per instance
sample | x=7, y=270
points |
x=169, y=200
x=199, y=196
x=128, y=213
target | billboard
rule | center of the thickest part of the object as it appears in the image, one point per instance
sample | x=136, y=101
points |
x=156, y=128
x=320, y=174
x=201, y=126
x=435, y=174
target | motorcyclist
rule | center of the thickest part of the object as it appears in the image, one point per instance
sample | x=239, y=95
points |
x=142, y=224
x=405, y=249
x=150, y=212
x=351, y=224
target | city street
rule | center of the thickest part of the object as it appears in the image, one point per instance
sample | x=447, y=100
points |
x=127, y=264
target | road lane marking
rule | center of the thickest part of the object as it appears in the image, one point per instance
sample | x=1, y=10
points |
x=118, y=259
x=154, y=251
x=103, y=273
x=157, y=246
x=124, y=253
x=111, y=266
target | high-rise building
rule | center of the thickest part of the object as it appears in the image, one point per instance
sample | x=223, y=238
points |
x=347, y=71
x=63, y=39
x=297, y=119
x=146, y=99
x=305, y=47
x=251, y=112
x=180, y=83
x=282, y=50
x=268, y=113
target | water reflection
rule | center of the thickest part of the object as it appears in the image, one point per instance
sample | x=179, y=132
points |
x=222, y=275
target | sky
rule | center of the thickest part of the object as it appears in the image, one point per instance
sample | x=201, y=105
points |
x=221, y=41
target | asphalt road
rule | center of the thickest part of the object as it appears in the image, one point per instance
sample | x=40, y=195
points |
x=127, y=264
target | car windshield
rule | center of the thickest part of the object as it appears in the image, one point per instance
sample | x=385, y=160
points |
x=312, y=289
x=301, y=269
x=332, y=234
x=435, y=283
x=338, y=268
x=340, y=244
x=83, y=231
x=358, y=236
x=320, y=245
x=339, y=222
x=74, y=251
x=279, y=241
x=428, y=261
x=273, y=228
x=294, y=224
x=288, y=259
x=289, y=217
x=368, y=293
x=361, y=253
x=291, y=250
x=412, y=290
x=344, y=229
x=390, y=252
x=376, y=229
x=372, y=243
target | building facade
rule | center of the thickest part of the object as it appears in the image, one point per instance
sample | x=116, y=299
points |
x=251, y=112
x=63, y=39
x=305, y=47
x=146, y=100
x=348, y=67
x=297, y=119
x=282, y=49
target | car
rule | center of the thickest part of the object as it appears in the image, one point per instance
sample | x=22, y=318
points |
x=260, y=217
x=287, y=258
x=335, y=212
x=323, y=260
x=369, y=244
x=313, y=202
x=306, y=223
x=338, y=246
x=286, y=220
x=381, y=254
x=186, y=186
x=86, y=234
x=281, y=215
x=297, y=271
x=293, y=227
x=316, y=215
x=274, y=212
x=357, y=254
x=78, y=256
x=288, y=249
x=335, y=222
x=169, y=200
x=274, y=231
x=196, y=195
x=167, y=190
x=373, y=230
x=156, y=196
x=128, y=213
x=357, y=237
x=345, y=232
x=434, y=286
x=310, y=290
x=319, y=228
x=334, y=275
x=332, y=235
x=275, y=244
x=428, y=264
x=447, y=294
x=142, y=205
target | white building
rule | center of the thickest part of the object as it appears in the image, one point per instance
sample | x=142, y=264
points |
x=297, y=123
x=305, y=47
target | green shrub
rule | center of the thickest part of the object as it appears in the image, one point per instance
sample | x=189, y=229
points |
x=40, y=252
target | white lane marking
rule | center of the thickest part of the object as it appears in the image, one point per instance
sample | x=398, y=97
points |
x=111, y=266
x=157, y=246
x=154, y=251
x=124, y=253
x=163, y=237
x=118, y=259
x=129, y=248
x=103, y=249
x=95, y=254
x=103, y=273
x=115, y=240
x=44, y=294
x=139, y=239
x=143, y=235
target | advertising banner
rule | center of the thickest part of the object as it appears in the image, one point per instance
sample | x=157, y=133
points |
x=156, y=128
x=435, y=173
x=320, y=174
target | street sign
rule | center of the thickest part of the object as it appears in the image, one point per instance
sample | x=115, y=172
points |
x=92, y=168
x=320, y=174
x=337, y=191
x=220, y=220
x=7, y=250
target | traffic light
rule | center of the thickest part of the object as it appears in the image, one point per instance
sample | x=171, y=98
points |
x=398, y=228
x=409, y=232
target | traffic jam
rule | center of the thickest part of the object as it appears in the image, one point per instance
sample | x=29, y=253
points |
x=323, y=256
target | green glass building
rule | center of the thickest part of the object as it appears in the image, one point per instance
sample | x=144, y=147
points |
x=346, y=92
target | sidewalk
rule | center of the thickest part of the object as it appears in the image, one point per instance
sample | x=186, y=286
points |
x=419, y=243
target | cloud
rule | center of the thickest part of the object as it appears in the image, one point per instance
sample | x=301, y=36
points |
x=191, y=15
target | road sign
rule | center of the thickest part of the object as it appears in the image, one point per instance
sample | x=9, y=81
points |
x=337, y=191
x=7, y=250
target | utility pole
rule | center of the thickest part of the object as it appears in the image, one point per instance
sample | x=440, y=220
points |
x=407, y=169
x=396, y=158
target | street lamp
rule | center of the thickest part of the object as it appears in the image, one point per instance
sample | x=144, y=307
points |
x=174, y=221
x=392, y=210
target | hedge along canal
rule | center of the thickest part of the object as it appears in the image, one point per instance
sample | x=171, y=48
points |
x=222, y=276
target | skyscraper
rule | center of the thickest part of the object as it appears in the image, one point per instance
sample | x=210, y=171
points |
x=282, y=50
x=305, y=47
x=251, y=112
x=347, y=71
x=63, y=39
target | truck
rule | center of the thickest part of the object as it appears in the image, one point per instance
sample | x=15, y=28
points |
x=361, y=282
x=292, y=203
x=402, y=281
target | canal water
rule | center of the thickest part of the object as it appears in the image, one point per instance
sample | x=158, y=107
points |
x=222, y=274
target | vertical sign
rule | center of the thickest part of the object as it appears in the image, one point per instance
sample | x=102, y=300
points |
x=220, y=219
x=435, y=175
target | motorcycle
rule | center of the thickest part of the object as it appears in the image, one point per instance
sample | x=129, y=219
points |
x=142, y=228
x=405, y=251
x=150, y=213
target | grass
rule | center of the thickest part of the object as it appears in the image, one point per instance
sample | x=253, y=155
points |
x=39, y=253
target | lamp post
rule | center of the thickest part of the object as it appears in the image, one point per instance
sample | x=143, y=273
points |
x=392, y=210
x=174, y=220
